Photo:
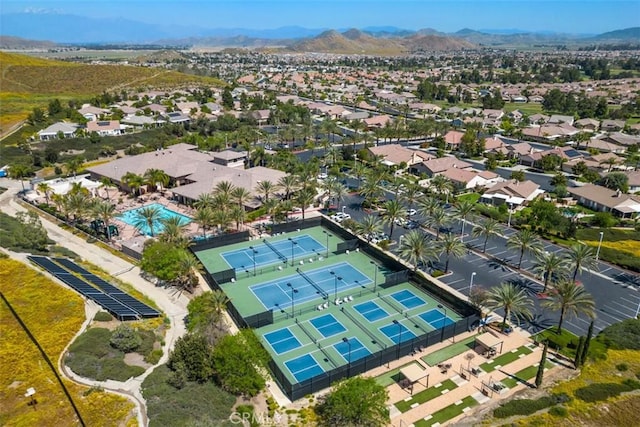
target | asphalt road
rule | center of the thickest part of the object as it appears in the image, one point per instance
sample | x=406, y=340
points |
x=615, y=291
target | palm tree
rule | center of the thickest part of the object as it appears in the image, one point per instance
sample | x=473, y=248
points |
x=392, y=211
x=462, y=209
x=411, y=194
x=205, y=219
x=45, y=188
x=442, y=185
x=147, y=216
x=524, y=240
x=438, y=219
x=305, y=198
x=240, y=196
x=265, y=188
x=173, y=231
x=371, y=192
x=19, y=171
x=486, y=229
x=222, y=200
x=105, y=211
x=222, y=218
x=205, y=200
x=416, y=248
x=548, y=265
x=74, y=165
x=207, y=311
x=288, y=184
x=106, y=183
x=512, y=300
x=153, y=177
x=237, y=214
x=334, y=190
x=569, y=298
x=368, y=226
x=224, y=187
x=78, y=204
x=580, y=257
x=133, y=181
x=427, y=206
x=188, y=267
x=451, y=245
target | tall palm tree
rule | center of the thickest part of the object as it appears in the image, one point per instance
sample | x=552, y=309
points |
x=78, y=204
x=462, y=209
x=105, y=211
x=451, y=245
x=288, y=184
x=206, y=311
x=205, y=219
x=265, y=189
x=368, y=226
x=106, y=183
x=224, y=187
x=524, y=241
x=133, y=181
x=442, y=185
x=411, y=195
x=205, y=200
x=512, y=300
x=188, y=268
x=427, y=206
x=580, y=257
x=417, y=249
x=19, y=171
x=438, y=219
x=173, y=231
x=238, y=215
x=371, y=192
x=46, y=189
x=392, y=211
x=74, y=165
x=487, y=228
x=334, y=190
x=156, y=178
x=549, y=265
x=305, y=199
x=148, y=216
x=571, y=299
x=222, y=200
x=222, y=218
x=240, y=196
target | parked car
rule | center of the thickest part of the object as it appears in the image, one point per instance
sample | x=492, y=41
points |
x=400, y=221
x=340, y=216
x=411, y=224
x=411, y=212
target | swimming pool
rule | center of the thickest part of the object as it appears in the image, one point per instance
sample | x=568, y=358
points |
x=132, y=217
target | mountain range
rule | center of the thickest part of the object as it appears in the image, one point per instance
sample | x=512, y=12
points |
x=80, y=30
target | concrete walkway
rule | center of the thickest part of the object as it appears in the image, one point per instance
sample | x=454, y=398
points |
x=173, y=304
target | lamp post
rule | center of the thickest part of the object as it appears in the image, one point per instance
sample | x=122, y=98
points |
x=293, y=292
x=444, y=317
x=375, y=276
x=471, y=282
x=346, y=340
x=254, y=252
x=599, y=245
x=399, y=337
x=510, y=212
x=328, y=235
x=293, y=244
x=343, y=208
x=335, y=284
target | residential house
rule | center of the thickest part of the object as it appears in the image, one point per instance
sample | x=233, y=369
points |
x=557, y=119
x=566, y=153
x=187, y=107
x=92, y=113
x=603, y=199
x=535, y=98
x=261, y=116
x=605, y=147
x=622, y=139
x=634, y=180
x=597, y=163
x=492, y=144
x=452, y=139
x=141, y=121
x=396, y=155
x=612, y=125
x=358, y=115
x=471, y=178
x=377, y=122
x=590, y=125
x=177, y=117
x=230, y=158
x=105, y=127
x=437, y=166
x=512, y=192
x=538, y=119
x=58, y=130
x=516, y=116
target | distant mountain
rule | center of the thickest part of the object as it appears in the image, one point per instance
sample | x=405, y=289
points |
x=628, y=34
x=18, y=43
x=429, y=42
x=387, y=32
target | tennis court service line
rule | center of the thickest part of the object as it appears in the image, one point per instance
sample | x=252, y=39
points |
x=361, y=326
x=315, y=341
x=389, y=302
x=333, y=362
x=314, y=284
x=270, y=246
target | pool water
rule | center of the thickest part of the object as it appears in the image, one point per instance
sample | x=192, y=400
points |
x=132, y=217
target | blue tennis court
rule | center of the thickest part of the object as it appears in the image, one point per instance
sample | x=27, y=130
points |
x=327, y=325
x=309, y=285
x=397, y=332
x=272, y=252
x=352, y=350
x=371, y=311
x=282, y=340
x=304, y=367
x=436, y=318
x=408, y=299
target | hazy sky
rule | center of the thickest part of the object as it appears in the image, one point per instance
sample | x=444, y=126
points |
x=570, y=16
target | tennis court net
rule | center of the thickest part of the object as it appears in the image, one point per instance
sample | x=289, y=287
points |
x=277, y=252
x=324, y=294
x=306, y=332
x=364, y=328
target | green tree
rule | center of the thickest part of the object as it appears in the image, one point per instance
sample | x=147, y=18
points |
x=125, y=338
x=587, y=343
x=569, y=298
x=74, y=165
x=238, y=361
x=149, y=217
x=549, y=265
x=543, y=361
x=579, y=168
x=192, y=357
x=104, y=211
x=451, y=245
x=512, y=300
x=486, y=228
x=227, y=99
x=577, y=360
x=357, y=401
x=265, y=188
x=173, y=231
x=437, y=220
x=417, y=249
x=156, y=178
x=206, y=314
x=161, y=259
x=133, y=181
x=19, y=171
x=368, y=226
x=524, y=241
x=616, y=181
x=580, y=257
x=462, y=209
x=518, y=176
x=392, y=211
x=46, y=189
x=204, y=217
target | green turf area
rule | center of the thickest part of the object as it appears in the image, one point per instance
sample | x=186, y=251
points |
x=505, y=359
x=449, y=351
x=469, y=197
x=445, y=414
x=524, y=375
x=566, y=343
x=425, y=395
x=394, y=375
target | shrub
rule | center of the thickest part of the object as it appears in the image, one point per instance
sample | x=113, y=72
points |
x=602, y=391
x=622, y=336
x=622, y=367
x=558, y=411
x=604, y=220
x=103, y=316
x=153, y=357
x=528, y=406
x=125, y=338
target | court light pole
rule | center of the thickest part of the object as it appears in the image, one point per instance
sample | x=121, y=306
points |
x=328, y=235
x=293, y=245
x=293, y=305
x=349, y=360
x=335, y=284
x=510, y=212
x=443, y=319
x=399, y=338
x=375, y=276
x=254, y=252
x=599, y=245
x=471, y=281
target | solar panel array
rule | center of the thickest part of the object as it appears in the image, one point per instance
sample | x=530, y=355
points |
x=118, y=303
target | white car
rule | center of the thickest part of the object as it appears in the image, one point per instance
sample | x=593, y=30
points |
x=411, y=212
x=340, y=216
x=322, y=176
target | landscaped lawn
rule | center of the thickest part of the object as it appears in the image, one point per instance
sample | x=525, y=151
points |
x=505, y=359
x=394, y=375
x=445, y=414
x=525, y=374
x=618, y=246
x=566, y=343
x=448, y=352
x=469, y=197
x=425, y=395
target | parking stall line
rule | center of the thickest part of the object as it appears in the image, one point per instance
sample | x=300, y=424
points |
x=626, y=307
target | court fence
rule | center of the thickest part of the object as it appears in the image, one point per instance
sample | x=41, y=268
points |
x=224, y=276
x=395, y=278
x=386, y=355
x=286, y=227
x=349, y=245
x=218, y=241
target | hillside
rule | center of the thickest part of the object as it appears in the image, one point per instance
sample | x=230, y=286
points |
x=28, y=82
x=426, y=43
x=9, y=42
x=628, y=34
